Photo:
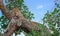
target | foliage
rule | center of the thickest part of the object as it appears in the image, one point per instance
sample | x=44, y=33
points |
x=20, y=4
x=53, y=20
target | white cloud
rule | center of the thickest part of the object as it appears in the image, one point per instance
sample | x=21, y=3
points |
x=39, y=6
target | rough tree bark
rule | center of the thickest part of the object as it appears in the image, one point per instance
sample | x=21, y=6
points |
x=4, y=10
x=10, y=32
x=24, y=26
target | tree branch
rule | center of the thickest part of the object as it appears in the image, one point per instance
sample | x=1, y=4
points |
x=4, y=10
x=10, y=32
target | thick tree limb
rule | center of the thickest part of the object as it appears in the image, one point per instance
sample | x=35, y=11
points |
x=10, y=32
x=33, y=25
x=4, y=10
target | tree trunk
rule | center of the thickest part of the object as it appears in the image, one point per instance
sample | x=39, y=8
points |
x=10, y=32
x=4, y=10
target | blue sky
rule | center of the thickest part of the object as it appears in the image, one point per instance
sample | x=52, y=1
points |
x=38, y=8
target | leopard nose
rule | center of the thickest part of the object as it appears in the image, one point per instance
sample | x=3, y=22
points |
x=39, y=30
x=16, y=17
